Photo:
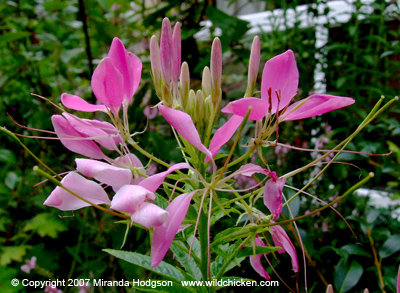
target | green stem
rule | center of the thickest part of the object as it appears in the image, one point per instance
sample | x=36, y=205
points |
x=147, y=154
x=203, y=239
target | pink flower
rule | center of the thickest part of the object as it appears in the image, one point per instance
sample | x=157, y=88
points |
x=50, y=289
x=29, y=265
x=278, y=88
x=281, y=239
x=256, y=263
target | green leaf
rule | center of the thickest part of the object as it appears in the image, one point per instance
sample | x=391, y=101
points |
x=7, y=38
x=11, y=180
x=10, y=253
x=351, y=249
x=223, y=253
x=237, y=233
x=45, y=224
x=166, y=270
x=248, y=251
x=390, y=246
x=187, y=262
x=7, y=156
x=347, y=276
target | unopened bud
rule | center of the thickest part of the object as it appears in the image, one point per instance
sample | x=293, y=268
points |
x=206, y=81
x=184, y=84
x=199, y=105
x=155, y=64
x=176, y=52
x=166, y=95
x=216, y=71
x=166, y=50
x=191, y=104
x=254, y=64
x=208, y=109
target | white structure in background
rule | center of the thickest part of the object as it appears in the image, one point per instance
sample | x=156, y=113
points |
x=381, y=200
x=279, y=19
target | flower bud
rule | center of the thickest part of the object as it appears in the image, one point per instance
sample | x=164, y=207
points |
x=216, y=71
x=176, y=52
x=167, y=96
x=185, y=84
x=199, y=106
x=206, y=81
x=155, y=64
x=208, y=109
x=191, y=103
x=254, y=63
x=166, y=50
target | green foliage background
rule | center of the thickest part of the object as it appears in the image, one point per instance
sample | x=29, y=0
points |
x=44, y=50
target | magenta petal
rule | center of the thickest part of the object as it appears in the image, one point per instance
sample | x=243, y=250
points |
x=256, y=263
x=108, y=85
x=136, y=70
x=241, y=106
x=176, y=51
x=108, y=128
x=185, y=126
x=164, y=235
x=129, y=198
x=250, y=169
x=89, y=190
x=282, y=239
x=150, y=215
x=105, y=173
x=166, y=54
x=281, y=75
x=69, y=138
x=152, y=183
x=316, y=105
x=77, y=103
x=398, y=281
x=273, y=196
x=224, y=134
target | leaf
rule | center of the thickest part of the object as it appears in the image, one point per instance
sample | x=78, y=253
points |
x=186, y=261
x=347, y=276
x=248, y=251
x=166, y=270
x=11, y=180
x=7, y=38
x=10, y=253
x=390, y=246
x=237, y=233
x=223, y=253
x=45, y=224
x=7, y=156
x=351, y=249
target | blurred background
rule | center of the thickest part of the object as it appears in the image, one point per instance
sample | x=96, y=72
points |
x=348, y=48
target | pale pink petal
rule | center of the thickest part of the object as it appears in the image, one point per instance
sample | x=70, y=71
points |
x=152, y=183
x=329, y=289
x=107, y=128
x=256, y=263
x=130, y=161
x=32, y=262
x=26, y=269
x=164, y=235
x=250, y=169
x=280, y=75
x=69, y=137
x=316, y=105
x=282, y=239
x=90, y=129
x=105, y=173
x=241, y=106
x=129, y=198
x=273, y=196
x=166, y=50
x=137, y=70
x=150, y=215
x=89, y=190
x=77, y=103
x=185, y=127
x=108, y=85
x=224, y=134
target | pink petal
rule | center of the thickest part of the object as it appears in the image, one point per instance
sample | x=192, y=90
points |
x=280, y=75
x=329, y=289
x=316, y=105
x=90, y=128
x=130, y=161
x=108, y=128
x=105, y=173
x=164, y=235
x=183, y=123
x=137, y=70
x=224, y=134
x=250, y=169
x=282, y=239
x=152, y=183
x=108, y=85
x=241, y=106
x=77, y=103
x=150, y=215
x=26, y=269
x=89, y=190
x=273, y=196
x=398, y=281
x=69, y=138
x=256, y=264
x=121, y=61
x=129, y=198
